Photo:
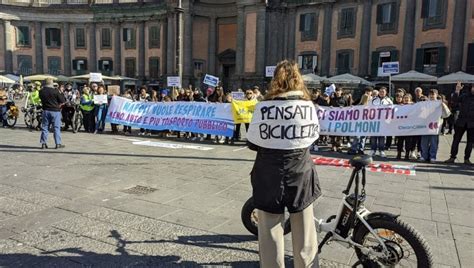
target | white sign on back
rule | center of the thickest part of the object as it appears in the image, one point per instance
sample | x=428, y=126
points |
x=269, y=71
x=285, y=125
x=174, y=81
x=95, y=77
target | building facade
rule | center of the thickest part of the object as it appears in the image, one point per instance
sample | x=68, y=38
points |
x=234, y=39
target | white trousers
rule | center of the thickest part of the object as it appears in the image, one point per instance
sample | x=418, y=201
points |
x=303, y=235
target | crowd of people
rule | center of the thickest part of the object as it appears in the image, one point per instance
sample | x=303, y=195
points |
x=458, y=115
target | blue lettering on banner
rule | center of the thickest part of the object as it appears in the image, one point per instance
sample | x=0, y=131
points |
x=205, y=118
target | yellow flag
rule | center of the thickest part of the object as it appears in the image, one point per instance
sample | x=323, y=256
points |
x=243, y=110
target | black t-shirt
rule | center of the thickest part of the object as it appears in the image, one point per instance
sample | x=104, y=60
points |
x=51, y=99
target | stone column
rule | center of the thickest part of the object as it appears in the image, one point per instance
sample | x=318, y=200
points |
x=326, y=46
x=239, y=53
x=117, y=64
x=170, y=46
x=407, y=59
x=290, y=34
x=188, y=46
x=457, y=39
x=92, y=48
x=9, y=34
x=212, y=45
x=39, y=47
x=67, y=49
x=260, y=60
x=365, y=39
x=141, y=50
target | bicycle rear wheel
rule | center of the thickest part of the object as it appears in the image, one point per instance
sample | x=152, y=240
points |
x=250, y=219
x=406, y=247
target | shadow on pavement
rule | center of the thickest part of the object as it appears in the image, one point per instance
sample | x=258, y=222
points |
x=36, y=150
x=452, y=188
x=76, y=256
x=458, y=169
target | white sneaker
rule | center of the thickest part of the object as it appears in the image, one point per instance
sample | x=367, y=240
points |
x=413, y=155
x=315, y=148
x=432, y=161
x=348, y=145
x=222, y=140
x=372, y=153
x=382, y=154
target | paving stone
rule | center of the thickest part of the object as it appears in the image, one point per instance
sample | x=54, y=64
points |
x=196, y=202
x=198, y=220
x=39, y=198
x=461, y=217
x=440, y=217
x=147, y=209
x=439, y=206
x=443, y=253
x=416, y=196
x=18, y=207
x=416, y=210
x=114, y=216
x=466, y=252
x=463, y=233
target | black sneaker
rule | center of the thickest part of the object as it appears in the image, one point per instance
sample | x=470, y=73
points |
x=44, y=146
x=450, y=160
x=60, y=146
x=467, y=162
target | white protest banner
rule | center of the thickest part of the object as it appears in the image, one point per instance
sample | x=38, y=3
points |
x=290, y=124
x=421, y=118
x=95, y=77
x=100, y=99
x=238, y=95
x=269, y=71
x=196, y=117
x=211, y=80
x=174, y=81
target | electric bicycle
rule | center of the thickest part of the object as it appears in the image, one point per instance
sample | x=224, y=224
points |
x=379, y=239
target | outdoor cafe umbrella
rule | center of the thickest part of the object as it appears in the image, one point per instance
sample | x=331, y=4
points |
x=40, y=77
x=413, y=76
x=456, y=77
x=312, y=79
x=6, y=80
x=347, y=79
x=63, y=78
x=118, y=77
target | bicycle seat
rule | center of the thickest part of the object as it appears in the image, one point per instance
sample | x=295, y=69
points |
x=360, y=161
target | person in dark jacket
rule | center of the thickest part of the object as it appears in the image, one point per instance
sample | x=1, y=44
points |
x=52, y=99
x=337, y=101
x=283, y=174
x=464, y=123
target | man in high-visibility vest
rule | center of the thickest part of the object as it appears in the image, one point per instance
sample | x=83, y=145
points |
x=87, y=108
x=34, y=98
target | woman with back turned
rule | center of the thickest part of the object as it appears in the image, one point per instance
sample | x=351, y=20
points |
x=283, y=175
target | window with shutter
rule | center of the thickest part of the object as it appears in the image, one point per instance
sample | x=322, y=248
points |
x=308, y=27
x=106, y=38
x=80, y=38
x=470, y=59
x=154, y=36
x=25, y=64
x=130, y=67
x=387, y=18
x=344, y=61
x=130, y=43
x=434, y=13
x=23, y=36
x=106, y=66
x=154, y=67
x=53, y=37
x=79, y=65
x=347, y=20
x=54, y=65
x=308, y=62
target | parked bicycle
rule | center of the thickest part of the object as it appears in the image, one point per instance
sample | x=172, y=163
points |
x=379, y=239
x=33, y=115
x=12, y=113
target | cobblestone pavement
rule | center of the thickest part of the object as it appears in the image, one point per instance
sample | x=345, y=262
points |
x=69, y=207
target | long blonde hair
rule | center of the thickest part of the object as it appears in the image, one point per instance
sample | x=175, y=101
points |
x=286, y=78
x=364, y=100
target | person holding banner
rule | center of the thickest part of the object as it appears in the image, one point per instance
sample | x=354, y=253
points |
x=378, y=143
x=100, y=101
x=283, y=128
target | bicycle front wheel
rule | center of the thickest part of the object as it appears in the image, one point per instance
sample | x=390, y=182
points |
x=406, y=247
